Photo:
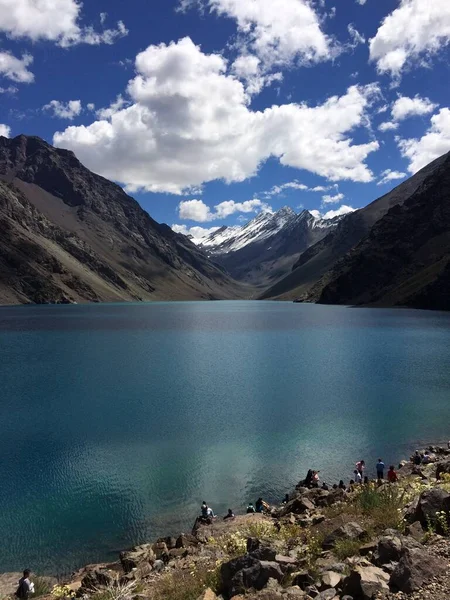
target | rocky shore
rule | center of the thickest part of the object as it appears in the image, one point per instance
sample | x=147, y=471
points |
x=371, y=541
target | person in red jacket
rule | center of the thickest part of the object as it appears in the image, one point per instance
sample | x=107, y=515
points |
x=392, y=475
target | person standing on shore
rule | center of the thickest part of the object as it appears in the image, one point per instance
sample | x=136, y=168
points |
x=360, y=466
x=26, y=587
x=380, y=469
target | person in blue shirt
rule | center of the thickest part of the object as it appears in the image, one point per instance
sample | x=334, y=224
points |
x=380, y=469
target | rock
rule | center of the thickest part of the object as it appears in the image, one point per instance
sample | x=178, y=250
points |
x=430, y=502
x=136, y=557
x=316, y=519
x=330, y=579
x=208, y=594
x=178, y=552
x=264, y=553
x=302, y=578
x=365, y=582
x=186, y=540
x=391, y=547
x=158, y=566
x=299, y=506
x=170, y=542
x=255, y=576
x=442, y=468
x=293, y=592
x=349, y=531
x=415, y=568
x=366, y=549
x=327, y=594
x=95, y=579
x=253, y=544
x=415, y=531
x=285, y=561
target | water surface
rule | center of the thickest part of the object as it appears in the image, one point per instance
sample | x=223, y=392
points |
x=116, y=421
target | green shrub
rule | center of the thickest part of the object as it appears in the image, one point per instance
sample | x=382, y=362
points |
x=345, y=548
x=187, y=585
x=42, y=586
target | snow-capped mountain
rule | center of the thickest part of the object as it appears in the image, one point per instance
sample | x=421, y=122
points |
x=266, y=247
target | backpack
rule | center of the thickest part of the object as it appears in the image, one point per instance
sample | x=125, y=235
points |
x=22, y=590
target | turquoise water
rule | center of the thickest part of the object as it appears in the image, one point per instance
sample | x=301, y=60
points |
x=116, y=421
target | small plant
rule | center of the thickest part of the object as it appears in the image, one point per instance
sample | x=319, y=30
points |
x=42, y=587
x=187, y=585
x=233, y=544
x=260, y=529
x=346, y=548
x=117, y=591
x=62, y=591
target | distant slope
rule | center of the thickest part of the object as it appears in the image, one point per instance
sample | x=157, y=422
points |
x=405, y=258
x=265, y=248
x=313, y=268
x=75, y=236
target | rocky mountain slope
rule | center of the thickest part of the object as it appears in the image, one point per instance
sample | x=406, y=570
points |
x=71, y=235
x=395, y=251
x=265, y=248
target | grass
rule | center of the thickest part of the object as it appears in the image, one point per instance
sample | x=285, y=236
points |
x=42, y=587
x=345, y=548
x=187, y=585
x=117, y=591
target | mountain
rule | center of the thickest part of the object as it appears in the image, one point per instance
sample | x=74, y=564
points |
x=326, y=272
x=266, y=248
x=71, y=235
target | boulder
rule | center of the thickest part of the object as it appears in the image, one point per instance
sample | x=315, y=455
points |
x=302, y=578
x=330, y=579
x=391, y=547
x=443, y=468
x=97, y=579
x=178, y=552
x=364, y=583
x=137, y=557
x=298, y=506
x=415, y=568
x=186, y=540
x=255, y=576
x=430, y=502
x=264, y=553
x=349, y=531
x=327, y=594
x=367, y=548
x=160, y=549
x=415, y=531
x=253, y=544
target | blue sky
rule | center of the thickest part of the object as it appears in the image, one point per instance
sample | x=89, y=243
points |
x=208, y=111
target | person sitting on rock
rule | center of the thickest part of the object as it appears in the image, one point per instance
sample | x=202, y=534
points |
x=210, y=513
x=26, y=587
x=308, y=479
x=315, y=479
x=325, y=486
x=204, y=510
x=342, y=485
x=286, y=499
x=250, y=508
x=392, y=475
x=358, y=476
x=229, y=515
x=416, y=459
x=259, y=505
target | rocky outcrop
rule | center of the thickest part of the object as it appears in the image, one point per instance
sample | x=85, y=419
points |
x=415, y=568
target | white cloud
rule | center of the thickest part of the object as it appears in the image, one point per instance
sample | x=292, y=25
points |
x=278, y=33
x=332, y=199
x=53, y=20
x=331, y=214
x=383, y=109
x=247, y=68
x=16, y=69
x=196, y=232
x=388, y=126
x=405, y=107
x=197, y=210
x=189, y=122
x=90, y=106
x=416, y=29
x=357, y=38
x=113, y=108
x=388, y=175
x=61, y=110
x=361, y=2
x=11, y=89
x=103, y=16
x=433, y=144
x=5, y=130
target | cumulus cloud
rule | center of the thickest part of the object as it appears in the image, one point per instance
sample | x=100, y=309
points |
x=5, y=130
x=388, y=176
x=327, y=199
x=415, y=30
x=55, y=20
x=357, y=38
x=433, y=144
x=16, y=69
x=247, y=68
x=361, y=2
x=278, y=33
x=195, y=232
x=276, y=190
x=388, y=126
x=405, y=107
x=331, y=214
x=189, y=122
x=61, y=110
x=11, y=89
x=197, y=210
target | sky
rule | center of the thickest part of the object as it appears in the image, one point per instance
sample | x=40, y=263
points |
x=210, y=111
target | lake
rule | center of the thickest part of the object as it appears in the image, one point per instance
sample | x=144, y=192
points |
x=116, y=421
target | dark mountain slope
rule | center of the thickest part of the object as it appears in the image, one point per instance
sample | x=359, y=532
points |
x=405, y=258
x=110, y=247
x=319, y=259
